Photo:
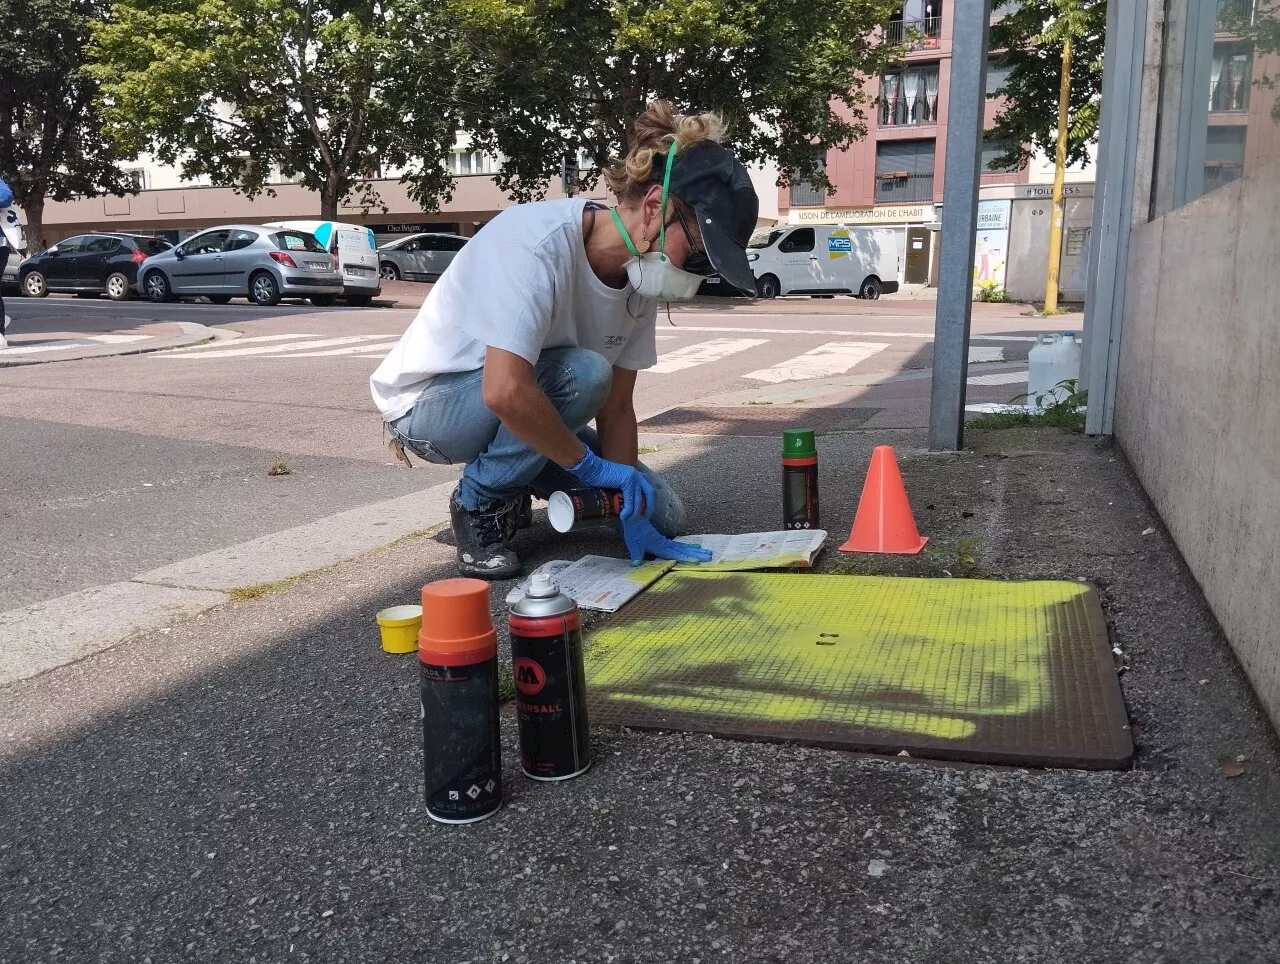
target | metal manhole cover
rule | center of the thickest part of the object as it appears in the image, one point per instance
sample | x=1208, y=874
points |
x=958, y=669
x=757, y=420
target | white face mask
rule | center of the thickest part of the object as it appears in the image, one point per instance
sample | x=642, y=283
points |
x=654, y=276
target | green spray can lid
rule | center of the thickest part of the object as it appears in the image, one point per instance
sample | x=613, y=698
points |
x=798, y=443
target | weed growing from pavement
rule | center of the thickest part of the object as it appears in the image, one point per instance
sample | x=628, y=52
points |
x=260, y=589
x=759, y=403
x=280, y=468
x=647, y=449
x=1065, y=413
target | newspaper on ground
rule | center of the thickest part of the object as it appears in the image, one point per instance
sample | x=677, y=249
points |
x=602, y=583
x=794, y=549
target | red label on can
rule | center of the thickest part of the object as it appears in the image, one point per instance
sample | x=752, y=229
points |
x=530, y=677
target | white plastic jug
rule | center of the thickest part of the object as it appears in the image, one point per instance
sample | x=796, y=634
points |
x=1054, y=359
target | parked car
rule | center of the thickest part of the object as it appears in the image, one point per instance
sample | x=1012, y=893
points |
x=419, y=257
x=13, y=264
x=89, y=265
x=250, y=261
x=357, y=255
x=828, y=259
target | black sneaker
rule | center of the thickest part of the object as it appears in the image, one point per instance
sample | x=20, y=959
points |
x=521, y=514
x=481, y=536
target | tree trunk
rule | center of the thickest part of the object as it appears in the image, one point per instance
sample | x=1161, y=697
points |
x=330, y=193
x=34, y=210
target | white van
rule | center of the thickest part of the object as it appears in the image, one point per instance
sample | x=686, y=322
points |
x=356, y=251
x=825, y=259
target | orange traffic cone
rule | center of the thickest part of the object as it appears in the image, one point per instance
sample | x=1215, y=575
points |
x=884, y=522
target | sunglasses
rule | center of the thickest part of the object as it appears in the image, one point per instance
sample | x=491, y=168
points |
x=696, y=262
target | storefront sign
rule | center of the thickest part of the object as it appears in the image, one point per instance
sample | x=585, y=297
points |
x=993, y=215
x=883, y=214
x=1045, y=191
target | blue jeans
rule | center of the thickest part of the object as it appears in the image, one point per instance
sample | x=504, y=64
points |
x=449, y=423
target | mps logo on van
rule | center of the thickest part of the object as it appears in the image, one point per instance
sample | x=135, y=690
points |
x=838, y=245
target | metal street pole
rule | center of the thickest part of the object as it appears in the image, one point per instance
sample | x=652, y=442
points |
x=969, y=24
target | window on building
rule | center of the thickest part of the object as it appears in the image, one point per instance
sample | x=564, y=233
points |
x=997, y=78
x=904, y=171
x=1230, y=75
x=1223, y=156
x=909, y=98
x=138, y=177
x=805, y=194
x=991, y=150
x=918, y=23
x=1234, y=15
x=471, y=162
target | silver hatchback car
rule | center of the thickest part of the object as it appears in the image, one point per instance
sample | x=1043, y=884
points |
x=419, y=257
x=247, y=261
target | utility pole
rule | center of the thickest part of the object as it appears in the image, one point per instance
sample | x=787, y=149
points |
x=1059, y=175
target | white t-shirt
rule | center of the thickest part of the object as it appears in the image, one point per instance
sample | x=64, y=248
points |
x=522, y=284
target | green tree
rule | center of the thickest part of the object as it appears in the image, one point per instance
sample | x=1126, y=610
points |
x=52, y=146
x=232, y=89
x=1031, y=39
x=542, y=80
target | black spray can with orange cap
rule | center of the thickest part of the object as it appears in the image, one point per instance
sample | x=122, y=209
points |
x=551, y=688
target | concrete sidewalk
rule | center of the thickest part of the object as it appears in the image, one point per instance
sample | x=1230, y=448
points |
x=41, y=347
x=245, y=785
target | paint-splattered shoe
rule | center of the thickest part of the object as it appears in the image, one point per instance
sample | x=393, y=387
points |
x=482, y=536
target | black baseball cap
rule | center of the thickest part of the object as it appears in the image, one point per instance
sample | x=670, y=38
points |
x=713, y=182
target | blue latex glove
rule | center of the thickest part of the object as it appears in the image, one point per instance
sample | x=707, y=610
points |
x=636, y=490
x=641, y=537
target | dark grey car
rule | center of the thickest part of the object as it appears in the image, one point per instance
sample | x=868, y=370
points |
x=245, y=260
x=419, y=257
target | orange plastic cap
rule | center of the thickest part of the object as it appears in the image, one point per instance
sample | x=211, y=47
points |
x=457, y=628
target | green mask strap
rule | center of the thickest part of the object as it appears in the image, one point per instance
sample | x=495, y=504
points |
x=622, y=230
x=662, y=218
x=666, y=187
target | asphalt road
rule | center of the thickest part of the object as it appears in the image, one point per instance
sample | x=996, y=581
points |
x=121, y=464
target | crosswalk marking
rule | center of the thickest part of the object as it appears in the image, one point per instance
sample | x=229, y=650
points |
x=833, y=358
x=999, y=378
x=268, y=349
x=701, y=354
x=927, y=336
x=361, y=350
x=986, y=353
x=218, y=345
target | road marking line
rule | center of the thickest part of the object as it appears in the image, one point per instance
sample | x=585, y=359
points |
x=856, y=334
x=833, y=358
x=999, y=378
x=277, y=349
x=352, y=350
x=704, y=353
x=92, y=341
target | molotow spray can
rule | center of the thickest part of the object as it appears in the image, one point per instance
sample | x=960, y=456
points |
x=583, y=508
x=551, y=686
x=799, y=479
x=458, y=653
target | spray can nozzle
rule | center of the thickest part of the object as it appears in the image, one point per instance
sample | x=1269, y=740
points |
x=542, y=586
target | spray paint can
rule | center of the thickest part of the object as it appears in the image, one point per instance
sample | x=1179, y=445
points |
x=583, y=508
x=458, y=653
x=799, y=479
x=551, y=686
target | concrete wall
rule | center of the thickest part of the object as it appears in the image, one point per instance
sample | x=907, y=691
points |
x=1197, y=403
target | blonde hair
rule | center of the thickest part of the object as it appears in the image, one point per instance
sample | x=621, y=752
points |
x=653, y=133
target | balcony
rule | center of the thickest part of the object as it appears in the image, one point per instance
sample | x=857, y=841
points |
x=921, y=32
x=909, y=98
x=904, y=188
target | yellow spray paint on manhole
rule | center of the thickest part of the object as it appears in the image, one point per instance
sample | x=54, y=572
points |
x=1002, y=672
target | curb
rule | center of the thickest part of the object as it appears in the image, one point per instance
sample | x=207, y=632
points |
x=46, y=635
x=193, y=334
